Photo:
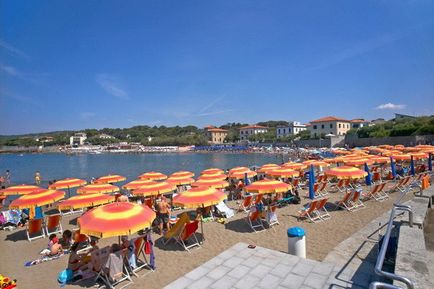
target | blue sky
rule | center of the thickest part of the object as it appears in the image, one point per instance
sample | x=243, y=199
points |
x=95, y=64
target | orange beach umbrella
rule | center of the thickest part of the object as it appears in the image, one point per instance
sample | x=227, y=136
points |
x=401, y=157
x=268, y=187
x=316, y=163
x=419, y=155
x=136, y=184
x=180, y=181
x=116, y=219
x=267, y=167
x=283, y=173
x=212, y=177
x=294, y=166
x=154, y=189
x=153, y=176
x=346, y=172
x=67, y=184
x=212, y=171
x=37, y=198
x=97, y=188
x=19, y=190
x=238, y=169
x=241, y=174
x=381, y=160
x=358, y=162
x=199, y=197
x=216, y=184
x=84, y=201
x=182, y=174
x=109, y=179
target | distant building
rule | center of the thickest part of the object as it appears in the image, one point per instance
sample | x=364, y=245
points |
x=378, y=121
x=403, y=116
x=329, y=125
x=77, y=139
x=216, y=135
x=292, y=129
x=359, y=123
x=247, y=131
x=105, y=136
x=45, y=139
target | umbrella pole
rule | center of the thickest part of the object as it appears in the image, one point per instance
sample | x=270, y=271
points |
x=201, y=223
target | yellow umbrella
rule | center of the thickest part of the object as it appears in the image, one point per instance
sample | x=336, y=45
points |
x=109, y=179
x=97, y=188
x=216, y=184
x=85, y=201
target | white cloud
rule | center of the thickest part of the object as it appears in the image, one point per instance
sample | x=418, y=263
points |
x=111, y=84
x=9, y=70
x=13, y=50
x=390, y=105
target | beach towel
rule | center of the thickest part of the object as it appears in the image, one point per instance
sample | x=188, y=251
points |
x=114, y=265
x=44, y=259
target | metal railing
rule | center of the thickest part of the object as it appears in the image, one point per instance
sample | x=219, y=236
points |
x=397, y=206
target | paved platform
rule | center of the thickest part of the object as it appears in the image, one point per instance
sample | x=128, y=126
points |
x=240, y=267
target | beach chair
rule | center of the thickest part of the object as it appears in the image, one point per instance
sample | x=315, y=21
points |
x=377, y=193
x=53, y=224
x=310, y=212
x=345, y=202
x=403, y=185
x=272, y=217
x=417, y=181
x=254, y=220
x=376, y=177
x=176, y=229
x=343, y=185
x=207, y=211
x=285, y=200
x=224, y=210
x=149, y=203
x=34, y=229
x=258, y=199
x=114, y=270
x=321, y=209
x=188, y=236
x=296, y=183
x=322, y=189
x=70, y=211
x=357, y=202
x=141, y=260
x=246, y=204
x=98, y=258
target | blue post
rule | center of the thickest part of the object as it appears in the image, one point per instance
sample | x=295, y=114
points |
x=430, y=161
x=246, y=180
x=368, y=178
x=311, y=183
x=392, y=167
x=412, y=170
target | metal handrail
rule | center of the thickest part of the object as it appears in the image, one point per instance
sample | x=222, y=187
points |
x=382, y=255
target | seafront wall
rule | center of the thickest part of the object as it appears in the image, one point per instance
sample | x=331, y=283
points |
x=354, y=141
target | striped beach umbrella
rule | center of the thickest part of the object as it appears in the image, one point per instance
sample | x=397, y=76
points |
x=37, y=198
x=110, y=179
x=210, y=183
x=84, y=201
x=316, y=163
x=182, y=174
x=294, y=166
x=401, y=157
x=238, y=169
x=267, y=167
x=418, y=155
x=153, y=176
x=116, y=219
x=67, y=184
x=97, y=188
x=283, y=173
x=213, y=177
x=212, y=171
x=180, y=181
x=199, y=197
x=358, y=162
x=268, y=187
x=346, y=172
x=380, y=160
x=19, y=190
x=136, y=184
x=242, y=174
x=154, y=189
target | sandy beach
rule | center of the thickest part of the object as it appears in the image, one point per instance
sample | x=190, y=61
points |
x=172, y=262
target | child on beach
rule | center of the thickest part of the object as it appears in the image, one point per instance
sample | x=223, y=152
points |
x=54, y=247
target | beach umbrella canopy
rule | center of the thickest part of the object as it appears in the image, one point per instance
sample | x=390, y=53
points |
x=268, y=187
x=136, y=184
x=154, y=189
x=401, y=157
x=212, y=171
x=358, y=162
x=199, y=197
x=283, y=173
x=294, y=166
x=212, y=177
x=180, y=181
x=67, y=184
x=311, y=183
x=392, y=167
x=153, y=176
x=368, y=178
x=316, y=163
x=267, y=167
x=380, y=160
x=110, y=179
x=418, y=155
x=346, y=172
x=97, y=188
x=242, y=174
x=84, y=201
x=19, y=190
x=238, y=169
x=116, y=219
x=210, y=183
x=412, y=170
x=37, y=198
x=182, y=174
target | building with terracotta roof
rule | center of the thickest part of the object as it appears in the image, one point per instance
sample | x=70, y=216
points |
x=292, y=129
x=329, y=125
x=359, y=123
x=249, y=130
x=216, y=135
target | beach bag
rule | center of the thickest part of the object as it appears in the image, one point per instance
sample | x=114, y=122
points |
x=65, y=276
x=147, y=247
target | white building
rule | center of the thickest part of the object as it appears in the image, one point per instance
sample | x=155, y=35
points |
x=292, y=129
x=77, y=139
x=359, y=123
x=105, y=136
x=247, y=131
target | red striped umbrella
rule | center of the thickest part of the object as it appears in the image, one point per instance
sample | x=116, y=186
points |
x=37, y=198
x=154, y=189
x=316, y=163
x=238, y=169
x=267, y=167
x=268, y=187
x=358, y=162
x=418, y=156
x=109, y=179
x=283, y=173
x=401, y=157
x=212, y=177
x=241, y=174
x=84, y=201
x=153, y=176
x=116, y=219
x=182, y=174
x=346, y=172
x=294, y=166
x=381, y=160
x=180, y=181
x=212, y=171
x=19, y=190
x=67, y=184
x=97, y=188
x=199, y=197
x=216, y=184
x=136, y=184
